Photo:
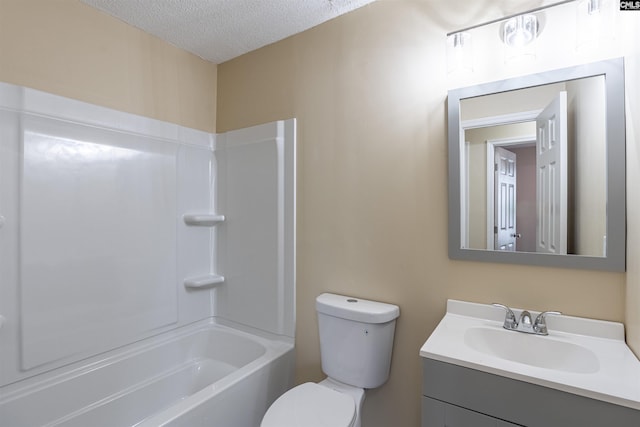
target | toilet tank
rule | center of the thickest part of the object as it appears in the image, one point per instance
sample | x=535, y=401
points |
x=356, y=339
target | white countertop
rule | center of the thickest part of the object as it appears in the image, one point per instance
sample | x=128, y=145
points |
x=616, y=381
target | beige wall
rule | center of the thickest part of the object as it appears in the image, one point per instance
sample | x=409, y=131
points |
x=369, y=90
x=632, y=70
x=586, y=100
x=516, y=101
x=67, y=48
x=369, y=93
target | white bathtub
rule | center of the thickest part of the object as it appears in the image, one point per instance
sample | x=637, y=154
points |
x=206, y=374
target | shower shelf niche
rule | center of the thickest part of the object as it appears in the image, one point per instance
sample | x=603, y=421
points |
x=202, y=220
x=203, y=282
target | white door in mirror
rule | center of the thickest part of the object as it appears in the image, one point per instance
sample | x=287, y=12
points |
x=551, y=177
x=505, y=200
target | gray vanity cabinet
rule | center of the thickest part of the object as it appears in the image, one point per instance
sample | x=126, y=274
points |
x=455, y=396
x=439, y=414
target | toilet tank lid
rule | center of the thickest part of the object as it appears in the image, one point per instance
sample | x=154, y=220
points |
x=359, y=310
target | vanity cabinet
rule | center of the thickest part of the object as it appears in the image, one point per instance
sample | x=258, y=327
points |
x=455, y=396
x=439, y=414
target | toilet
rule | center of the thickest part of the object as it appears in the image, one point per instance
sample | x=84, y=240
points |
x=356, y=341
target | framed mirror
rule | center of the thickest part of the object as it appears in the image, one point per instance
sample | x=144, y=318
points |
x=537, y=169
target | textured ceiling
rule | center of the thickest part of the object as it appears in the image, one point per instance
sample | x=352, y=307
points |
x=219, y=30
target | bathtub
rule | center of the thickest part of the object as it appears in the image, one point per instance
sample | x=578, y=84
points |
x=206, y=374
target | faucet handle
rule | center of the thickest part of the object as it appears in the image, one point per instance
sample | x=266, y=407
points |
x=509, y=319
x=540, y=324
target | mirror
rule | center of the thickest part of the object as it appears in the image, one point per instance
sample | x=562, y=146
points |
x=537, y=169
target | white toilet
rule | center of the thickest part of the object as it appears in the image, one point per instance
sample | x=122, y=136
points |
x=356, y=340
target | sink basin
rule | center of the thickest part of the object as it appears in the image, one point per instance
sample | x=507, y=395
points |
x=539, y=351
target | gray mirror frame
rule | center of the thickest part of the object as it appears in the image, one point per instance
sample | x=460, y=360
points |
x=615, y=259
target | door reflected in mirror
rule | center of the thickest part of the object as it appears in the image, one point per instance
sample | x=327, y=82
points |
x=533, y=169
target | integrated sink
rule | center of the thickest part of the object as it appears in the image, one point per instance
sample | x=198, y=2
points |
x=533, y=350
x=582, y=356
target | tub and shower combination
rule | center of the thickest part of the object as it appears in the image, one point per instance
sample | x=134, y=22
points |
x=128, y=295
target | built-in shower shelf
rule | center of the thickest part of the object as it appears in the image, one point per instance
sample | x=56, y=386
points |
x=203, y=220
x=203, y=282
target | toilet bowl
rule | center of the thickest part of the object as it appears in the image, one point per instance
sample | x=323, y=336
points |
x=316, y=405
x=356, y=341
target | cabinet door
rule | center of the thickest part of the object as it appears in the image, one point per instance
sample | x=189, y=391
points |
x=432, y=412
x=455, y=416
x=440, y=414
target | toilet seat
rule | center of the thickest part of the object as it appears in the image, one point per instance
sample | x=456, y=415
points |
x=311, y=405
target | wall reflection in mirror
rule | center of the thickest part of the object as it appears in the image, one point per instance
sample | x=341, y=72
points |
x=536, y=170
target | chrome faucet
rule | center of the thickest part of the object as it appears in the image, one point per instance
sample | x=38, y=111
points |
x=540, y=324
x=537, y=327
x=524, y=324
x=509, y=319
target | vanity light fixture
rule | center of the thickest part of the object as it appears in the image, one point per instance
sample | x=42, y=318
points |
x=593, y=6
x=519, y=34
x=521, y=30
x=594, y=22
x=459, y=52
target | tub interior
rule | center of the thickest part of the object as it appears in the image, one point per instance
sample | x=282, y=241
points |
x=135, y=383
x=132, y=405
